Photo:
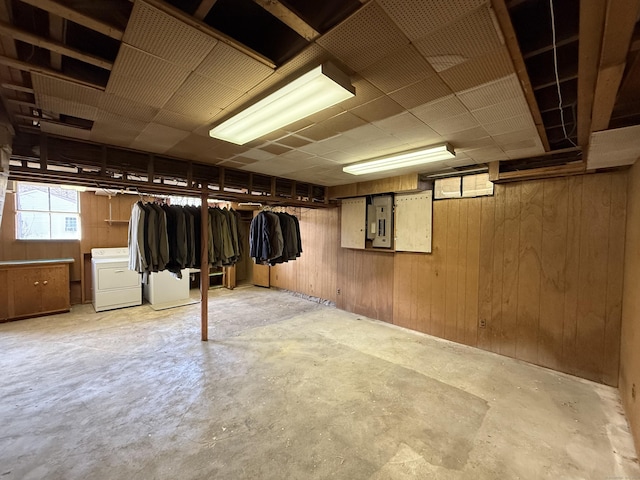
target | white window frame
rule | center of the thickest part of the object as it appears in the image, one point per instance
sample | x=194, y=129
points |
x=52, y=236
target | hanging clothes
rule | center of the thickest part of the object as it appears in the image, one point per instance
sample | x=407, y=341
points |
x=168, y=237
x=274, y=238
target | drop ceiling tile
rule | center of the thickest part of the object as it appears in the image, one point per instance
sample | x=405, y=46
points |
x=364, y=38
x=201, y=97
x=233, y=68
x=299, y=155
x=56, y=88
x=491, y=93
x=65, y=131
x=127, y=108
x=66, y=107
x=320, y=131
x=399, y=69
x=164, y=36
x=243, y=160
x=440, y=109
x=275, y=149
x=158, y=138
x=177, y=120
x=197, y=147
x=398, y=123
x=474, y=137
x=365, y=93
x=312, y=56
x=620, y=146
x=422, y=92
x=486, y=154
x=419, y=18
x=521, y=122
x=515, y=137
x=258, y=154
x=144, y=78
x=479, y=70
x=344, y=122
x=364, y=133
x=470, y=36
x=319, y=148
x=509, y=108
x=383, y=107
x=293, y=141
x=454, y=124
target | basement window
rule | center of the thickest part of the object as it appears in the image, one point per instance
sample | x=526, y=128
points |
x=463, y=186
x=47, y=212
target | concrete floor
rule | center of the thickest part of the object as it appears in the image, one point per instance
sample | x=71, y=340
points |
x=287, y=389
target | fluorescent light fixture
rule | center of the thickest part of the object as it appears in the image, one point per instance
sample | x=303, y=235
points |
x=402, y=160
x=316, y=90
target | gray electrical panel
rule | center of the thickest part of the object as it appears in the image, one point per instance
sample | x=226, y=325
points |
x=380, y=221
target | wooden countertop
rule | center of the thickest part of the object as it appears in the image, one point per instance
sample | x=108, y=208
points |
x=34, y=263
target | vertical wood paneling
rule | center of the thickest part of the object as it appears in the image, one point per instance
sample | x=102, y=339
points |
x=528, y=312
x=541, y=262
x=572, y=273
x=630, y=353
x=439, y=278
x=461, y=271
x=552, y=286
x=451, y=269
x=472, y=272
x=486, y=269
x=495, y=325
x=592, y=293
x=615, y=272
x=510, y=269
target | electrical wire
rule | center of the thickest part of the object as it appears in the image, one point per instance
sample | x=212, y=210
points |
x=555, y=64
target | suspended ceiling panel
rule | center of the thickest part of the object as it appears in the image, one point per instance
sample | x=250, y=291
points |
x=613, y=148
x=177, y=120
x=364, y=38
x=418, y=19
x=201, y=95
x=54, y=87
x=66, y=107
x=491, y=93
x=65, y=131
x=158, y=138
x=422, y=92
x=164, y=36
x=232, y=68
x=127, y=107
x=143, y=77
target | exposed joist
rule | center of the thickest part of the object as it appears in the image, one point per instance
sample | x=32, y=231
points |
x=17, y=88
x=63, y=11
x=548, y=48
x=592, y=16
x=29, y=67
x=56, y=32
x=504, y=20
x=551, y=83
x=289, y=18
x=204, y=8
x=573, y=168
x=21, y=103
x=203, y=27
x=52, y=45
x=31, y=118
x=619, y=24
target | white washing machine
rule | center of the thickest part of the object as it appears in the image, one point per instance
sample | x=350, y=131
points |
x=114, y=285
x=163, y=287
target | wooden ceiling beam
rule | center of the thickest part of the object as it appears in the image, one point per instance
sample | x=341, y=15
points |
x=620, y=21
x=592, y=16
x=52, y=45
x=31, y=68
x=504, y=20
x=63, y=11
x=17, y=88
x=289, y=18
x=548, y=48
x=204, y=8
x=57, y=27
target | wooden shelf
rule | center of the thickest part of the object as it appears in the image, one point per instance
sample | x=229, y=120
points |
x=117, y=222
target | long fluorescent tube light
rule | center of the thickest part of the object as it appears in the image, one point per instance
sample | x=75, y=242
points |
x=316, y=90
x=402, y=160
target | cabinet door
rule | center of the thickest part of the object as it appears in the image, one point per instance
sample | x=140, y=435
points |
x=413, y=222
x=54, y=288
x=4, y=295
x=354, y=213
x=25, y=283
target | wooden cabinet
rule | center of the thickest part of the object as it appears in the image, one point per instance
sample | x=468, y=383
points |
x=34, y=288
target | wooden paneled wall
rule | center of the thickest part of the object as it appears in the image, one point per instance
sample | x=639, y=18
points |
x=94, y=210
x=539, y=265
x=630, y=345
x=315, y=272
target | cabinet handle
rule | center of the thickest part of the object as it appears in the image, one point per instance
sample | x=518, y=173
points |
x=36, y=283
x=45, y=282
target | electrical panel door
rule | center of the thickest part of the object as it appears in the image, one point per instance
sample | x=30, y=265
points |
x=382, y=221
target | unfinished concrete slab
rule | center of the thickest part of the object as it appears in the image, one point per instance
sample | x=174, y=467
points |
x=287, y=388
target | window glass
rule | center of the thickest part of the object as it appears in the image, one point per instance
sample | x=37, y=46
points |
x=47, y=213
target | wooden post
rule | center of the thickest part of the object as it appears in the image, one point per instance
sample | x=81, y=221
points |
x=204, y=263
